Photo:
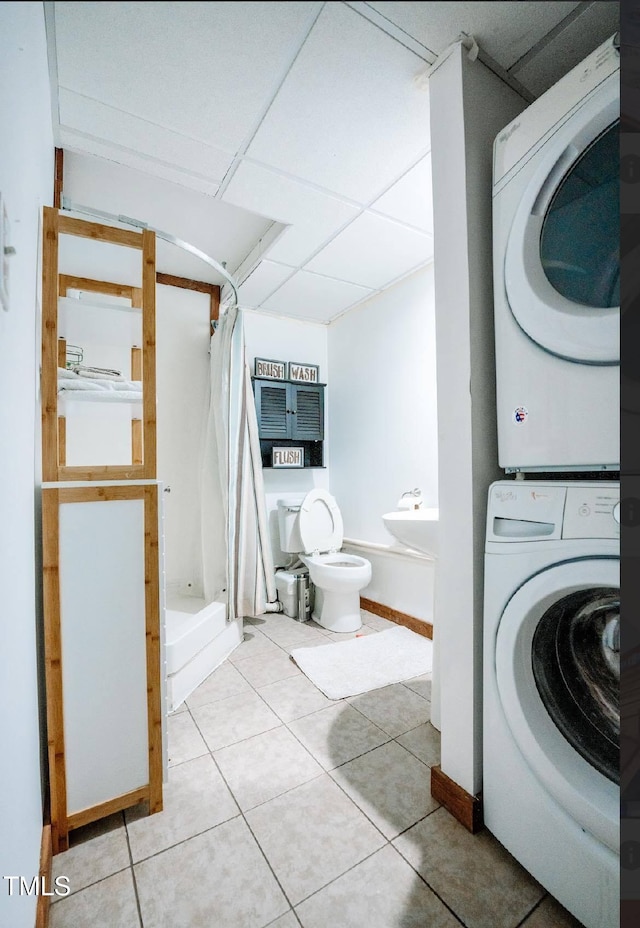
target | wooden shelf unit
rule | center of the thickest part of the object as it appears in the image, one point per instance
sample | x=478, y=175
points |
x=101, y=552
x=143, y=362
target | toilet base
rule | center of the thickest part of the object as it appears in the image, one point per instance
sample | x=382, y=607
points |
x=337, y=612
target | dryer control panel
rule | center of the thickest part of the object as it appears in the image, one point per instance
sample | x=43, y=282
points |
x=589, y=512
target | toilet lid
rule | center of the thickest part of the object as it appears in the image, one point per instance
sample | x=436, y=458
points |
x=320, y=523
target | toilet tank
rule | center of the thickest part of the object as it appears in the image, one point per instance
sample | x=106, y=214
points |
x=288, y=512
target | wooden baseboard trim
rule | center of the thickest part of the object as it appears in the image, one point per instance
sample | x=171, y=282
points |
x=467, y=809
x=400, y=618
x=46, y=859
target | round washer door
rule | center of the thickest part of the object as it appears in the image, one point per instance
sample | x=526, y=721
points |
x=557, y=671
x=562, y=265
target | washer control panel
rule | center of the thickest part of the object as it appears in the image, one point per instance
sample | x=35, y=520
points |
x=532, y=511
x=590, y=512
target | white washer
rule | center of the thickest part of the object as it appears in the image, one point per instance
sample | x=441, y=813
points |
x=556, y=275
x=551, y=676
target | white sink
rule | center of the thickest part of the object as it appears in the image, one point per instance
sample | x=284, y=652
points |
x=415, y=528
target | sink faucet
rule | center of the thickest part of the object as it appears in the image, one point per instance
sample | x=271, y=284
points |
x=411, y=499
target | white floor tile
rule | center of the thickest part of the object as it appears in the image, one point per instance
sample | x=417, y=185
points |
x=219, y=878
x=109, y=904
x=266, y=766
x=311, y=835
x=195, y=798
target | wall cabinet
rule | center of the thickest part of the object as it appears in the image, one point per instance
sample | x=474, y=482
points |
x=289, y=410
x=290, y=413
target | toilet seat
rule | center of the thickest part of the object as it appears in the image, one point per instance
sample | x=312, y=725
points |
x=320, y=523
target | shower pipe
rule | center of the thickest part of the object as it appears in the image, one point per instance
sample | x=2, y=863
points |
x=69, y=206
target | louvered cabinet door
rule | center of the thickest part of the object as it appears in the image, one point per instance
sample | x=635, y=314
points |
x=272, y=409
x=307, y=412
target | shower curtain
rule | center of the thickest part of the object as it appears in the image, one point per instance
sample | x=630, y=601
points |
x=235, y=538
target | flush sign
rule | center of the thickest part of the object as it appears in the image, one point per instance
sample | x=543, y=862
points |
x=273, y=370
x=287, y=457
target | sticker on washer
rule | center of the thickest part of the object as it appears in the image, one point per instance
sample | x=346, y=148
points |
x=520, y=415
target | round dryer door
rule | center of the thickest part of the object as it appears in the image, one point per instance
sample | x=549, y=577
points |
x=320, y=523
x=558, y=675
x=562, y=265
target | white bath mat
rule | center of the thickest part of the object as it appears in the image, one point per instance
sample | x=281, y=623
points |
x=368, y=663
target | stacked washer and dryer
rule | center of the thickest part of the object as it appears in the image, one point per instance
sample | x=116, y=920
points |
x=551, y=610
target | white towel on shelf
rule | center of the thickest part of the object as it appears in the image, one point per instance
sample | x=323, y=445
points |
x=83, y=384
x=96, y=373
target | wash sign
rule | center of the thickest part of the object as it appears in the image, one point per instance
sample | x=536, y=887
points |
x=307, y=373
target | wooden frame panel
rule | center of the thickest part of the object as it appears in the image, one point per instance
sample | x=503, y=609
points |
x=67, y=225
x=58, y=178
x=61, y=822
x=53, y=670
x=149, y=353
x=49, y=385
x=186, y=283
x=78, y=819
x=106, y=287
x=45, y=873
x=152, y=601
x=62, y=440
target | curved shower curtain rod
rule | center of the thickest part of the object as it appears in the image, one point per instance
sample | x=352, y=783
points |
x=67, y=204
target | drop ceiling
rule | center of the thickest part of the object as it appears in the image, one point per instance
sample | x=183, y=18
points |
x=289, y=139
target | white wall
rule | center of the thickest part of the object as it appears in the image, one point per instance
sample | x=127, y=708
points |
x=26, y=182
x=382, y=388
x=382, y=376
x=469, y=105
x=284, y=339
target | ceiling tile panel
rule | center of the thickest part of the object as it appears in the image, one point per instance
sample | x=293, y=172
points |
x=221, y=230
x=350, y=116
x=74, y=142
x=313, y=216
x=206, y=70
x=373, y=251
x=505, y=30
x=261, y=283
x=314, y=297
x=410, y=200
x=110, y=125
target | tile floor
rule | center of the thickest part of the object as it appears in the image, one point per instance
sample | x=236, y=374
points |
x=287, y=809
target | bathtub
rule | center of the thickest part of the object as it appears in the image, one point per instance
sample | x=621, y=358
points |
x=198, y=639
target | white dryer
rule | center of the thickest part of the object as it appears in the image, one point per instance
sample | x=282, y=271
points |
x=551, y=715
x=556, y=275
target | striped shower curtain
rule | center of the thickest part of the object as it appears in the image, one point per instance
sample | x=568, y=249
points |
x=237, y=558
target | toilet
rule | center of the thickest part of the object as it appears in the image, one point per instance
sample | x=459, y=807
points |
x=311, y=526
